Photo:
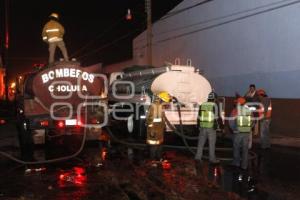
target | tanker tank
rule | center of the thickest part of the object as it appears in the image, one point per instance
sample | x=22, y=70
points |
x=58, y=100
x=135, y=87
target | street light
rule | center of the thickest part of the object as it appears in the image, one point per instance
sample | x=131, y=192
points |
x=128, y=15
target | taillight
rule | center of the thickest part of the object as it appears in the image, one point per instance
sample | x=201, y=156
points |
x=166, y=165
x=60, y=124
x=79, y=122
x=44, y=123
x=2, y=121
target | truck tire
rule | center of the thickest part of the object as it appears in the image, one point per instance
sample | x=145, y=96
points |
x=136, y=124
x=25, y=140
x=130, y=124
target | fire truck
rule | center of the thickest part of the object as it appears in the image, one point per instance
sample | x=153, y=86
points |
x=62, y=99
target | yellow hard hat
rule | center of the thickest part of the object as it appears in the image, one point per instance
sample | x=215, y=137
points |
x=165, y=96
x=55, y=15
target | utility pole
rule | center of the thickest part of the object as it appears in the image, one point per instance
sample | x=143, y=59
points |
x=148, y=10
x=6, y=46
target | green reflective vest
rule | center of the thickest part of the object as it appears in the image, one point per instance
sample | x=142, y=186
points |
x=207, y=115
x=244, y=120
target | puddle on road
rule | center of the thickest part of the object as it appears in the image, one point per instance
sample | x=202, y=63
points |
x=119, y=178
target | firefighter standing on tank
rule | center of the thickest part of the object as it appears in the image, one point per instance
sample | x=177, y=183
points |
x=155, y=122
x=208, y=121
x=53, y=33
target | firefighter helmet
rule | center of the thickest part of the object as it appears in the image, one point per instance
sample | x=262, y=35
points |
x=261, y=92
x=241, y=100
x=165, y=96
x=55, y=15
x=212, y=96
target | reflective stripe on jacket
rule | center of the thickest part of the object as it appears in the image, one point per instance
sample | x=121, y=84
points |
x=266, y=114
x=244, y=121
x=53, y=31
x=206, y=115
x=155, y=124
x=269, y=112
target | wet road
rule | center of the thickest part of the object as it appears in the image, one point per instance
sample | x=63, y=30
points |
x=114, y=175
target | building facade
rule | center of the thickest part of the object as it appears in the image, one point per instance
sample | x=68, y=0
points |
x=235, y=43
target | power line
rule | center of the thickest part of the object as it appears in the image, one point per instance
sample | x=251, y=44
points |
x=184, y=9
x=224, y=17
x=109, y=29
x=220, y=18
x=227, y=22
x=108, y=44
x=97, y=37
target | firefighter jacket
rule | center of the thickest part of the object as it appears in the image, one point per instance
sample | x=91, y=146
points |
x=155, y=124
x=209, y=116
x=53, y=31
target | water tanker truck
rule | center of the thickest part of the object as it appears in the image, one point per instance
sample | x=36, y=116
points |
x=62, y=99
x=132, y=91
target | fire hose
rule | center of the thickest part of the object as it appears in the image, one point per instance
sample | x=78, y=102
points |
x=185, y=137
x=47, y=161
x=180, y=133
x=7, y=155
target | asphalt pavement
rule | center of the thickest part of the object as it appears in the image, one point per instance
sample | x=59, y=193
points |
x=274, y=174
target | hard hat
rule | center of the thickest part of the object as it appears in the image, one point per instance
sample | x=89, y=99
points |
x=212, y=96
x=261, y=92
x=241, y=100
x=55, y=15
x=165, y=96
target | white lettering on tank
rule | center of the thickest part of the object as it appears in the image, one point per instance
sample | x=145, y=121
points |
x=66, y=72
x=51, y=75
x=51, y=88
x=59, y=73
x=72, y=73
x=85, y=76
x=45, y=78
x=84, y=88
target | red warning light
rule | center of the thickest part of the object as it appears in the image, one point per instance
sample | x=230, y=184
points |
x=166, y=165
x=44, y=123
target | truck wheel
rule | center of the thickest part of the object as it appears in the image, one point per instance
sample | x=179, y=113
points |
x=25, y=141
x=140, y=124
x=136, y=124
x=130, y=123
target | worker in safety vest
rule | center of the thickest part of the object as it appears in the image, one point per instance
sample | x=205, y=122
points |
x=241, y=124
x=208, y=121
x=53, y=33
x=155, y=122
x=265, y=118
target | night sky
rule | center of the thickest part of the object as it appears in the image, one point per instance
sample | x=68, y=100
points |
x=94, y=29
